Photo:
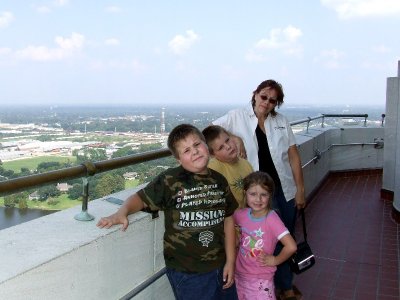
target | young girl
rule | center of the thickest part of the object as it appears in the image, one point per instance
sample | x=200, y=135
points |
x=260, y=230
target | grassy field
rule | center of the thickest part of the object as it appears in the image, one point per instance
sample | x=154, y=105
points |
x=131, y=183
x=63, y=201
x=32, y=163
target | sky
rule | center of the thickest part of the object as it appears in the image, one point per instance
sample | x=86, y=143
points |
x=212, y=52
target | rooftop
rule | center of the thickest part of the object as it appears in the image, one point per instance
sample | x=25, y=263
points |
x=354, y=239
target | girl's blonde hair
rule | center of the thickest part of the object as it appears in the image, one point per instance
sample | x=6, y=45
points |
x=262, y=179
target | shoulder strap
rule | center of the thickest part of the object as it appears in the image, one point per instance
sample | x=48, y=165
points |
x=303, y=218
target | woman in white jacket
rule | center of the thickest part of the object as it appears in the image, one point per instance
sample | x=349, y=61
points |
x=269, y=145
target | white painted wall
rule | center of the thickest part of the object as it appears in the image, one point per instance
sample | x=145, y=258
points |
x=391, y=170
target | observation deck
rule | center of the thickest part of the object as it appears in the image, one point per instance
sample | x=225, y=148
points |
x=352, y=181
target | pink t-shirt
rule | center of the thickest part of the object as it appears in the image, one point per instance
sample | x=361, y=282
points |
x=257, y=235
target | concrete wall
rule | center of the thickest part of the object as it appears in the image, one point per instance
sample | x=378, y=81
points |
x=391, y=170
x=57, y=257
x=338, y=152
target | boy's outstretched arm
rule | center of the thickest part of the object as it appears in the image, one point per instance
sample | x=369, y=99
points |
x=131, y=205
x=230, y=250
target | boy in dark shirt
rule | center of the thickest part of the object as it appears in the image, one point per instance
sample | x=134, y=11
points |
x=199, y=238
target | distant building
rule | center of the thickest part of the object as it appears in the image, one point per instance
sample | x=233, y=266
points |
x=63, y=187
x=130, y=175
x=162, y=125
x=34, y=196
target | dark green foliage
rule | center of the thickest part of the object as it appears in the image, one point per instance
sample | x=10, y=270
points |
x=75, y=192
x=48, y=191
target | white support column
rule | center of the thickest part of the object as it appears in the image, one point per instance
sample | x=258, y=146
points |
x=391, y=168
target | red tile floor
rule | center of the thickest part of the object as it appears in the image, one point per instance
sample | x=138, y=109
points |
x=354, y=239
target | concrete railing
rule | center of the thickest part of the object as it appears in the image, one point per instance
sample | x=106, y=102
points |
x=58, y=257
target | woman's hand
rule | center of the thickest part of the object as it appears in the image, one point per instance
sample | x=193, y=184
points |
x=299, y=199
x=240, y=146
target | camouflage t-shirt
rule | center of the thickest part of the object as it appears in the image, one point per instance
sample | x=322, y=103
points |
x=194, y=206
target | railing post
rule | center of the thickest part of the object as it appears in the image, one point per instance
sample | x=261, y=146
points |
x=383, y=119
x=308, y=123
x=365, y=121
x=323, y=120
x=84, y=215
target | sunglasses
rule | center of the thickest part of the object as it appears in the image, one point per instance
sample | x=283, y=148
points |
x=265, y=98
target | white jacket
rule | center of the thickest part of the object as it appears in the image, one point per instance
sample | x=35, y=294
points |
x=243, y=123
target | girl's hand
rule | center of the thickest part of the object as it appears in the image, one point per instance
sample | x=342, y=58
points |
x=266, y=260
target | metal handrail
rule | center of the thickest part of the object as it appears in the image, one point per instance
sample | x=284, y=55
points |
x=365, y=116
x=319, y=153
x=141, y=287
x=91, y=168
x=323, y=116
x=87, y=169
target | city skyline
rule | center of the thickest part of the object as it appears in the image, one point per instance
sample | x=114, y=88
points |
x=66, y=52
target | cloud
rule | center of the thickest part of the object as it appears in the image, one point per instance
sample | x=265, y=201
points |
x=381, y=66
x=230, y=72
x=112, y=42
x=48, y=8
x=347, y=9
x=6, y=18
x=60, y=2
x=133, y=65
x=66, y=47
x=181, y=44
x=330, y=59
x=5, y=51
x=381, y=49
x=43, y=9
x=113, y=9
x=252, y=56
x=285, y=40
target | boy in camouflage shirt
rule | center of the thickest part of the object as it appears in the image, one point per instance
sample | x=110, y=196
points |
x=199, y=238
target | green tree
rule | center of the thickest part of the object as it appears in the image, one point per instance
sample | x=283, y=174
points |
x=14, y=199
x=9, y=201
x=75, y=192
x=48, y=191
x=23, y=203
x=48, y=166
x=53, y=201
x=90, y=154
x=24, y=172
x=6, y=173
x=123, y=152
x=108, y=184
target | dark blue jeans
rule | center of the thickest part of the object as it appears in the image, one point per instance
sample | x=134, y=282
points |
x=199, y=286
x=287, y=211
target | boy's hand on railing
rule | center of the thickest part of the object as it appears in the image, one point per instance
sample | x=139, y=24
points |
x=117, y=218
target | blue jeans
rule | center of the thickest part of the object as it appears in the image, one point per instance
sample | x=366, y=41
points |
x=199, y=286
x=287, y=211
